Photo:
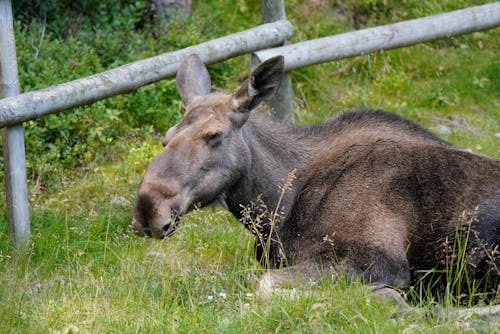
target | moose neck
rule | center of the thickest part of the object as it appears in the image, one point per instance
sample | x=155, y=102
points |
x=276, y=150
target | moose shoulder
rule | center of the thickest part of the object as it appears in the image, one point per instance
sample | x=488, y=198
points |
x=376, y=196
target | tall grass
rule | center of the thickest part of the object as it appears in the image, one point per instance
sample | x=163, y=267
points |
x=454, y=283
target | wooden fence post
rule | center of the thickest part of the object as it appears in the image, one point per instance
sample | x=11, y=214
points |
x=282, y=103
x=13, y=137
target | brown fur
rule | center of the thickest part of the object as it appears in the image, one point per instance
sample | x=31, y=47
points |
x=377, y=197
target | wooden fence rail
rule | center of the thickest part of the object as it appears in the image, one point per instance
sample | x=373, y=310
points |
x=385, y=37
x=126, y=78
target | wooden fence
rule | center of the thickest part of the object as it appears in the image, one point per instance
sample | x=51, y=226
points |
x=15, y=109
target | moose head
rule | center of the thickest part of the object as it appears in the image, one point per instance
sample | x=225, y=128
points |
x=205, y=153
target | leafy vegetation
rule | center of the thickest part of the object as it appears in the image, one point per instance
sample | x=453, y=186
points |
x=84, y=272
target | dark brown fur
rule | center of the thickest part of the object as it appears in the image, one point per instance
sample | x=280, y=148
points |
x=376, y=196
x=385, y=208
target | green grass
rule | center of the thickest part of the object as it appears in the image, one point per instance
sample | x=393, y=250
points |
x=84, y=272
x=92, y=276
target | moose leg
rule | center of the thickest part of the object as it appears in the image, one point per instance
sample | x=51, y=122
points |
x=388, y=294
x=285, y=280
x=274, y=280
x=382, y=275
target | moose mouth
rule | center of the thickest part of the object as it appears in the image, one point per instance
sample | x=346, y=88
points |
x=169, y=229
x=146, y=231
x=141, y=229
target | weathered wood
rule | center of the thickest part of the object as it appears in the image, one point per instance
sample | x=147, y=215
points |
x=13, y=137
x=386, y=37
x=129, y=77
x=282, y=103
x=272, y=10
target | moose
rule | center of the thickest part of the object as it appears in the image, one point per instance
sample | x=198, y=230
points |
x=368, y=195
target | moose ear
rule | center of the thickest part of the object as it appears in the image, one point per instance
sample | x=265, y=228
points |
x=261, y=86
x=192, y=79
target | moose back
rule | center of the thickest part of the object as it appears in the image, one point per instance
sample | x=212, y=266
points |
x=375, y=196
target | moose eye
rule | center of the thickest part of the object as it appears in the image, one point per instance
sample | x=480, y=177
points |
x=213, y=139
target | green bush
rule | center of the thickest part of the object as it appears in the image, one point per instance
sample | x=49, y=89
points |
x=59, y=41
